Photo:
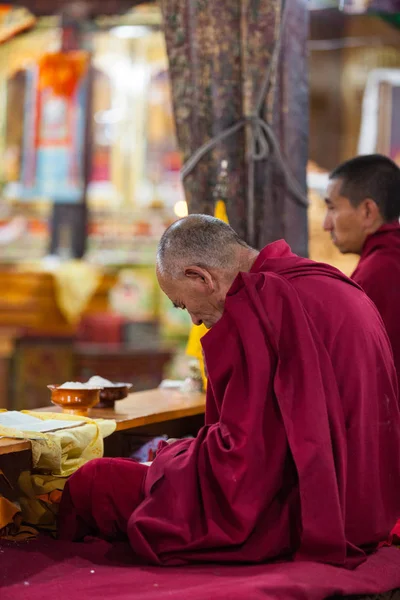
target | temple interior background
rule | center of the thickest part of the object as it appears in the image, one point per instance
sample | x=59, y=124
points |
x=79, y=293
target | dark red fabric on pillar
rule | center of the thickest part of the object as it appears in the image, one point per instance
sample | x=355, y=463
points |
x=300, y=454
x=378, y=273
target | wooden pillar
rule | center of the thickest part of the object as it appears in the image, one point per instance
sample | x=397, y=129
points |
x=289, y=106
x=219, y=57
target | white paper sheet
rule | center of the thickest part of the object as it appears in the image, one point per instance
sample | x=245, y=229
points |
x=23, y=422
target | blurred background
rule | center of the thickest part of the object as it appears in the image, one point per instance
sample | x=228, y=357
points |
x=90, y=178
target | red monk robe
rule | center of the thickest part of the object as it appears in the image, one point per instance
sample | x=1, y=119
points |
x=300, y=454
x=378, y=273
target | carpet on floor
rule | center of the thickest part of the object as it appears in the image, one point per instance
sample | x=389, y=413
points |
x=47, y=569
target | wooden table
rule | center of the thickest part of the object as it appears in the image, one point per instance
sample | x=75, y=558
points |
x=145, y=415
x=147, y=408
x=141, y=414
x=138, y=410
x=8, y=446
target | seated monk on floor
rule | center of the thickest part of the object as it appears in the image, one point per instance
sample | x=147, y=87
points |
x=299, y=457
x=363, y=210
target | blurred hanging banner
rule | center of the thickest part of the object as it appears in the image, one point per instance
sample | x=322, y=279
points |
x=14, y=20
x=55, y=106
x=62, y=72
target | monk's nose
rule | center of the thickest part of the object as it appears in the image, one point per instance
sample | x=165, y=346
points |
x=196, y=320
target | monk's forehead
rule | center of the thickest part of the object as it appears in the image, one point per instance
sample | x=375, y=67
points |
x=334, y=188
x=168, y=285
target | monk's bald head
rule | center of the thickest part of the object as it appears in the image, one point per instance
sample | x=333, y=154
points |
x=199, y=240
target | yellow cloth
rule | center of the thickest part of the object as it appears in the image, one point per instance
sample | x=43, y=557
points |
x=55, y=456
x=35, y=492
x=8, y=510
x=63, y=452
x=193, y=347
x=220, y=211
x=11, y=527
x=19, y=532
x=76, y=282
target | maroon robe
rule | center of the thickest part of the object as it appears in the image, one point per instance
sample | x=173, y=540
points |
x=378, y=273
x=97, y=501
x=300, y=454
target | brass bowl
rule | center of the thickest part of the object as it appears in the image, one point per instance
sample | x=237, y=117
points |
x=109, y=395
x=75, y=402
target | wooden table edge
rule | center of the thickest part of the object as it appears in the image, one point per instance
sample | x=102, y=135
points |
x=125, y=421
x=11, y=445
x=162, y=417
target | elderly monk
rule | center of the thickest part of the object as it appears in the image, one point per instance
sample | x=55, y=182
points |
x=299, y=457
x=363, y=209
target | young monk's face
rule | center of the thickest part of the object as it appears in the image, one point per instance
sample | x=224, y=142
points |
x=348, y=225
x=197, y=291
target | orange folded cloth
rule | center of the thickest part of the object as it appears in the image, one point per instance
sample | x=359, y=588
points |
x=11, y=527
x=53, y=497
x=8, y=511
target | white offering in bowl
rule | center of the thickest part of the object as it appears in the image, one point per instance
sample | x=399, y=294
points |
x=77, y=385
x=98, y=381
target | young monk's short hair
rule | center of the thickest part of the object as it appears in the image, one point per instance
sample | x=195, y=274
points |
x=371, y=176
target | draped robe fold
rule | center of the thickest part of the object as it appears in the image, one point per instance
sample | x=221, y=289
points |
x=378, y=273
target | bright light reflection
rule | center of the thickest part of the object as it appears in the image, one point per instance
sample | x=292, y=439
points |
x=181, y=209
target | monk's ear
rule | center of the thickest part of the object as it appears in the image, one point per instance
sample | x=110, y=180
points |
x=371, y=212
x=199, y=276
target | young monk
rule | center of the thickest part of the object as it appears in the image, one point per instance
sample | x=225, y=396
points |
x=363, y=210
x=299, y=457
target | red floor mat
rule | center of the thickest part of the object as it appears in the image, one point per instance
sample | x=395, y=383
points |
x=45, y=569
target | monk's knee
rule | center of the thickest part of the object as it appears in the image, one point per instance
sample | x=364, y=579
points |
x=73, y=523
x=100, y=497
x=76, y=512
x=85, y=475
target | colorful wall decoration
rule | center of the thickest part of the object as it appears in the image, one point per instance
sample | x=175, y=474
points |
x=54, y=128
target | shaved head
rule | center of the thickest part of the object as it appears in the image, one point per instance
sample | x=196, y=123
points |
x=199, y=240
x=198, y=259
